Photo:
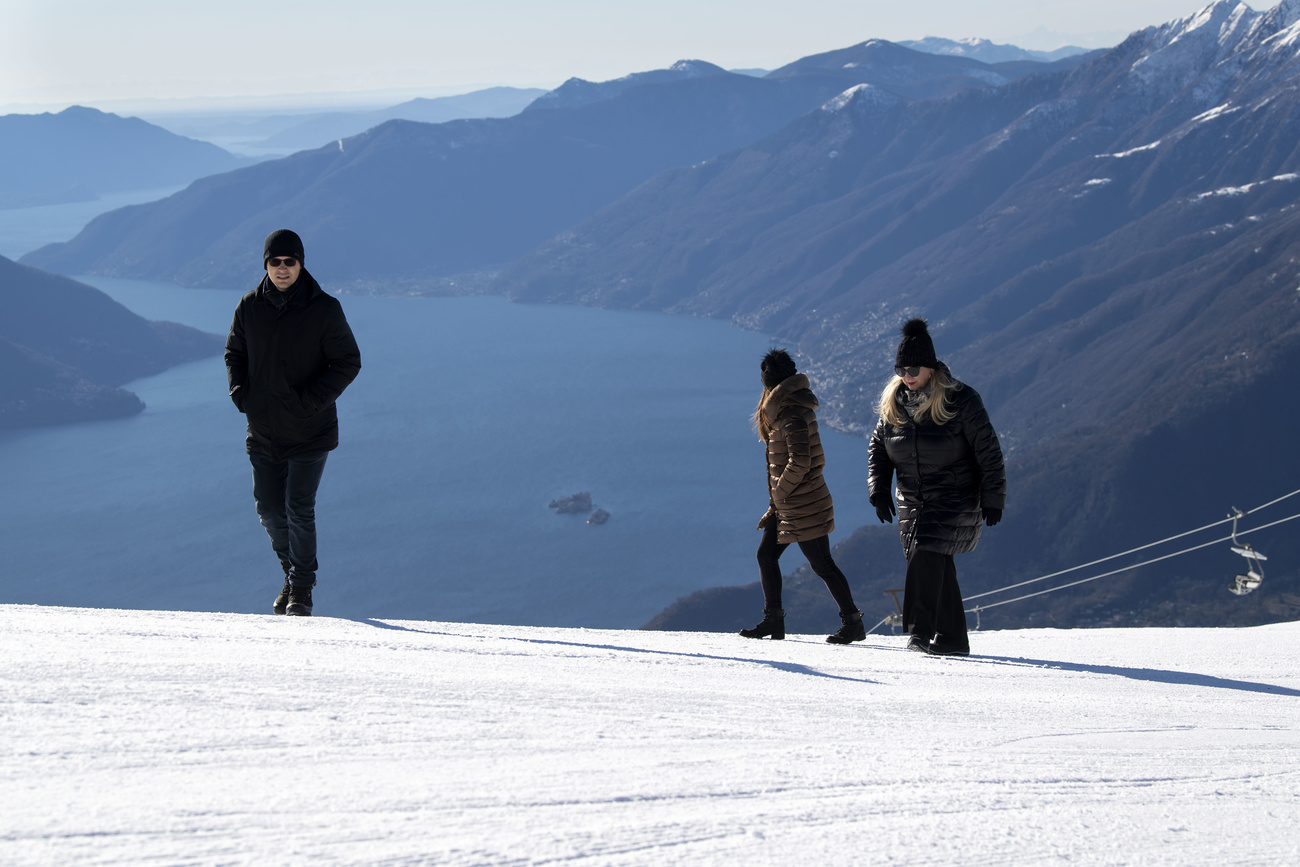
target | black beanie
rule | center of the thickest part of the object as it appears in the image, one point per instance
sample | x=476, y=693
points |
x=916, y=348
x=777, y=367
x=282, y=242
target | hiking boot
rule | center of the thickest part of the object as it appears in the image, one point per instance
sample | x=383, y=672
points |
x=299, y=601
x=772, y=624
x=918, y=644
x=851, y=630
x=282, y=601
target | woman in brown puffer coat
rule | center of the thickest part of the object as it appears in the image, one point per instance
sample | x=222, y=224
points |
x=799, y=503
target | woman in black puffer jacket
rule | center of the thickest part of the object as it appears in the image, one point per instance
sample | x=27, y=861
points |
x=935, y=436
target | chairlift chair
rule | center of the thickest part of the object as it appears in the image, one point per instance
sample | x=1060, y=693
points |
x=1243, y=584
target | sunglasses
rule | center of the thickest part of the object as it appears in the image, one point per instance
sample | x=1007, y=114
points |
x=910, y=371
x=287, y=261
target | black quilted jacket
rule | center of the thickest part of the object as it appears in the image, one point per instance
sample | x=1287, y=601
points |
x=946, y=475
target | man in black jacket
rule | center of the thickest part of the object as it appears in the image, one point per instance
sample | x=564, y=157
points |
x=289, y=355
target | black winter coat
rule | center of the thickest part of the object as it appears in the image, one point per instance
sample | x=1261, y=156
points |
x=946, y=475
x=287, y=365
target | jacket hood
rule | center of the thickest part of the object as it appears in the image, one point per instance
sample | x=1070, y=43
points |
x=794, y=391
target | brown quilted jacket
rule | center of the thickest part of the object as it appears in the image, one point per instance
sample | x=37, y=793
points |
x=798, y=493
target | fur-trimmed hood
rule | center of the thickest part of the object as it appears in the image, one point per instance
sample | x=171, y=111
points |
x=794, y=391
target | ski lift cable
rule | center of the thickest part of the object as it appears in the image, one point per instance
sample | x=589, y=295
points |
x=1131, y=550
x=979, y=608
x=882, y=622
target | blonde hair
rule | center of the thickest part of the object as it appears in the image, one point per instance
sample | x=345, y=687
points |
x=937, y=408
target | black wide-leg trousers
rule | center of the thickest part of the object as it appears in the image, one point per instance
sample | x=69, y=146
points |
x=933, y=609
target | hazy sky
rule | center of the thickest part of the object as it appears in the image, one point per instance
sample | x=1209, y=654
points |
x=55, y=53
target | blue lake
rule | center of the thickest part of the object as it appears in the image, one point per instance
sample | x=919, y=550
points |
x=23, y=230
x=470, y=415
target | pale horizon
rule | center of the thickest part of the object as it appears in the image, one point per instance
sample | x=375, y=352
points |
x=154, y=57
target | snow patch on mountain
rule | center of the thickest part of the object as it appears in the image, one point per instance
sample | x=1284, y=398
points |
x=1216, y=112
x=1246, y=188
x=1131, y=151
x=861, y=96
x=1289, y=37
x=694, y=68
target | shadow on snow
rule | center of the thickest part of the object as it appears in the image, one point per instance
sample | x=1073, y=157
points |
x=790, y=667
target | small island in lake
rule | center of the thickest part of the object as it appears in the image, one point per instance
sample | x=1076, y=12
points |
x=575, y=504
x=579, y=504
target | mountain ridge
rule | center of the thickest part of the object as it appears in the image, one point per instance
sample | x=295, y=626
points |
x=81, y=153
x=467, y=196
x=317, y=130
x=66, y=349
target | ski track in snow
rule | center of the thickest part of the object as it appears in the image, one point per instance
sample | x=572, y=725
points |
x=134, y=737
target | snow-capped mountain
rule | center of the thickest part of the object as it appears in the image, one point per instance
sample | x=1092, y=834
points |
x=987, y=51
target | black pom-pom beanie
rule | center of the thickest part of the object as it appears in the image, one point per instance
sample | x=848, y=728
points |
x=916, y=348
x=777, y=367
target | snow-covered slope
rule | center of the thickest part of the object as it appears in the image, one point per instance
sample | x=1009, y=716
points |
x=181, y=738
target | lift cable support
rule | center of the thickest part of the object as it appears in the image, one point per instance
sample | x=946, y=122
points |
x=1242, y=585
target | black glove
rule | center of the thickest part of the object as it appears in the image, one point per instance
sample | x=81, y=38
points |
x=992, y=516
x=237, y=397
x=884, y=508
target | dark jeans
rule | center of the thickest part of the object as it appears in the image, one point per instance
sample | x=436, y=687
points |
x=285, y=492
x=818, y=552
x=932, y=600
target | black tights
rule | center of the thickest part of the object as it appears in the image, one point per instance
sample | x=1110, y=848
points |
x=818, y=552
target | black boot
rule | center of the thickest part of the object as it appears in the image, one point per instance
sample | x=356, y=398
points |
x=299, y=601
x=942, y=647
x=773, y=624
x=282, y=601
x=851, y=630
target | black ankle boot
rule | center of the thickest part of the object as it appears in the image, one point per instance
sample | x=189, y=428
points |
x=773, y=624
x=299, y=601
x=282, y=601
x=851, y=630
